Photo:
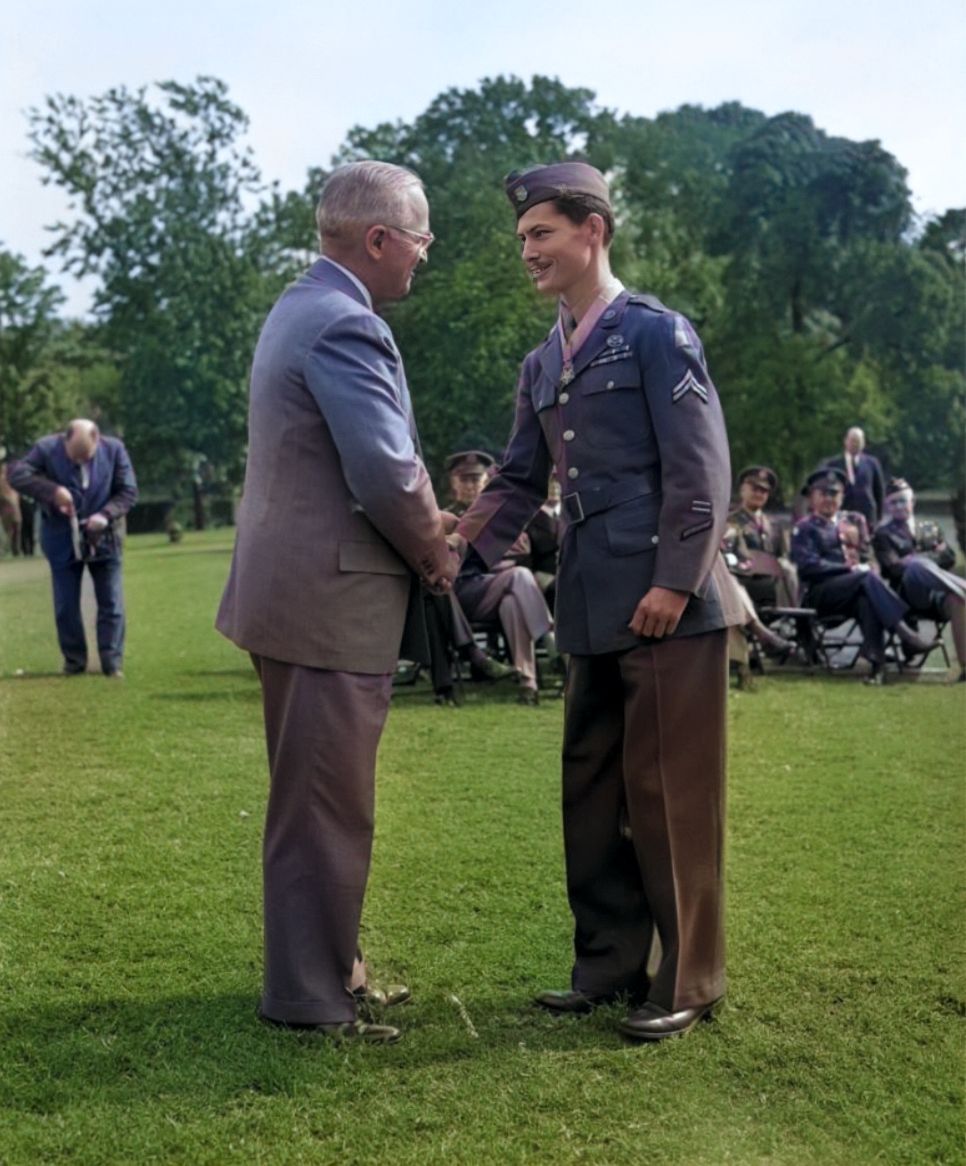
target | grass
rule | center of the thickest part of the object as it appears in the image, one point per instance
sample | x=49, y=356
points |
x=130, y=925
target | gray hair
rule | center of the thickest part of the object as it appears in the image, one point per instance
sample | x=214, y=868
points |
x=359, y=194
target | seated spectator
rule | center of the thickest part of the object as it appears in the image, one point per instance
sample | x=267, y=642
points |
x=450, y=634
x=830, y=547
x=508, y=591
x=758, y=543
x=915, y=559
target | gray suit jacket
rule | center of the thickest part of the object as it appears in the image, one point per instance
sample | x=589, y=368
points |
x=338, y=511
x=638, y=440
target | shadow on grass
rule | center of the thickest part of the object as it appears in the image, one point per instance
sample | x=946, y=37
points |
x=210, y=694
x=213, y=1048
x=19, y=678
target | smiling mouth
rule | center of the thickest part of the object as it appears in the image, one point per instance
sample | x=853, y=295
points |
x=536, y=271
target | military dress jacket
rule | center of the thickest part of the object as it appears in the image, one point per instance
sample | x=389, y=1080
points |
x=111, y=490
x=757, y=534
x=337, y=512
x=639, y=444
x=819, y=545
x=893, y=541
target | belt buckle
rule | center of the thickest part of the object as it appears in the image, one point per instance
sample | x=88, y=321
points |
x=574, y=507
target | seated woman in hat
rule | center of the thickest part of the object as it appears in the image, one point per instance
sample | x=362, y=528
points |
x=915, y=559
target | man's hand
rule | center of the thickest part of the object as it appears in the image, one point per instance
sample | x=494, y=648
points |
x=96, y=523
x=449, y=521
x=659, y=612
x=442, y=581
x=458, y=545
x=63, y=502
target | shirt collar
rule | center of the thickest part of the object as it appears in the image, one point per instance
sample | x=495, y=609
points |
x=355, y=279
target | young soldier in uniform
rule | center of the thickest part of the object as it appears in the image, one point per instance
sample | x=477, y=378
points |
x=619, y=400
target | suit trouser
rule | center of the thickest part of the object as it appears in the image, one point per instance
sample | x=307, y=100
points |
x=644, y=746
x=322, y=729
x=863, y=595
x=67, y=581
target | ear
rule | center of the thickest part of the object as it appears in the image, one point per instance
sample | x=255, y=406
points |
x=375, y=242
x=595, y=222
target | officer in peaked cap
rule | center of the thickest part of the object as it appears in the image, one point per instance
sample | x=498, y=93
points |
x=619, y=400
x=831, y=549
x=758, y=541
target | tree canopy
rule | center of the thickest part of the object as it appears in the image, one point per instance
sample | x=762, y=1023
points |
x=821, y=300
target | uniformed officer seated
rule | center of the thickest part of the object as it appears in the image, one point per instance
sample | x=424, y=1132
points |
x=915, y=559
x=508, y=591
x=757, y=542
x=830, y=547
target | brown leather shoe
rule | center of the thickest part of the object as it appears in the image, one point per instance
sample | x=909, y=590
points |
x=652, y=1022
x=572, y=1003
x=379, y=1034
x=383, y=997
x=528, y=696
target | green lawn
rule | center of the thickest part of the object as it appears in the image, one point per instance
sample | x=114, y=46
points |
x=130, y=925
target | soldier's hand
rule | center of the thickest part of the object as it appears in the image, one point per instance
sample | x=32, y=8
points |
x=97, y=523
x=448, y=520
x=63, y=502
x=659, y=612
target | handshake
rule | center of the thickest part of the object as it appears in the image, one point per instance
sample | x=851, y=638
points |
x=439, y=580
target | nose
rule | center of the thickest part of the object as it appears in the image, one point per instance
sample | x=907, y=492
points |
x=530, y=250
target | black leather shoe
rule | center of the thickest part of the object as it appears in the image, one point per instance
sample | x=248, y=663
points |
x=572, y=1003
x=378, y=1034
x=652, y=1022
x=484, y=667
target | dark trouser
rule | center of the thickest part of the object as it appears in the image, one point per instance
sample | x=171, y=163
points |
x=106, y=574
x=322, y=730
x=644, y=743
x=862, y=595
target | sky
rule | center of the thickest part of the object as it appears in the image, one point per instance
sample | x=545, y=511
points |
x=305, y=73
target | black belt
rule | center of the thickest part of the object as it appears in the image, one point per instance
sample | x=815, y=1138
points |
x=580, y=505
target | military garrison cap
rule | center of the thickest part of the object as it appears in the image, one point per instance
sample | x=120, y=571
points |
x=468, y=461
x=828, y=478
x=527, y=188
x=760, y=476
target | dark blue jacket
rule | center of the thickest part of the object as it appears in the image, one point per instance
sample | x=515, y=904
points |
x=112, y=491
x=639, y=444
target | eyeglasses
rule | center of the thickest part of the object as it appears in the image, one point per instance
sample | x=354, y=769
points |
x=425, y=240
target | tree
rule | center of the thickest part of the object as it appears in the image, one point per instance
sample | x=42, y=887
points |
x=30, y=401
x=160, y=183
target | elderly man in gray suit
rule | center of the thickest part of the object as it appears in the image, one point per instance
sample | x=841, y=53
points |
x=333, y=451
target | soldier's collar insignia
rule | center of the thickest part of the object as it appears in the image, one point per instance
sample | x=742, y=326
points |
x=615, y=341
